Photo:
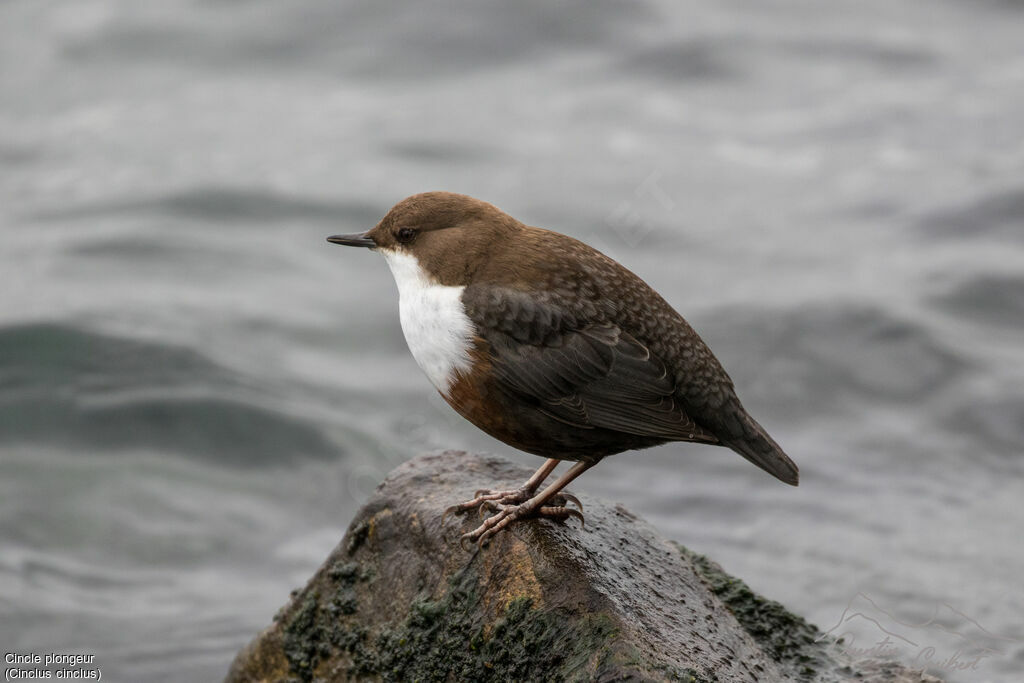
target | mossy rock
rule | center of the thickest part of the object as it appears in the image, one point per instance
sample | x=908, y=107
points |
x=399, y=600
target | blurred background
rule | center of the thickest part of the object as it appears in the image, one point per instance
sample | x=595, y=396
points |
x=197, y=391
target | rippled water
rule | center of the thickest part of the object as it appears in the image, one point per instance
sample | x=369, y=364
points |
x=196, y=391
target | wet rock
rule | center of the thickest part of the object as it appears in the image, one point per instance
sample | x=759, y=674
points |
x=399, y=600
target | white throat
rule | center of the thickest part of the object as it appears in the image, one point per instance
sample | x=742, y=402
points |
x=434, y=322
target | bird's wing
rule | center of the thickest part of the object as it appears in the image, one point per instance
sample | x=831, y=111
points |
x=586, y=373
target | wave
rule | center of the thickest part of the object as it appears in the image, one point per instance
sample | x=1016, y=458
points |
x=409, y=40
x=889, y=55
x=999, y=214
x=993, y=299
x=230, y=205
x=437, y=151
x=697, y=59
x=734, y=56
x=816, y=357
x=89, y=391
x=997, y=421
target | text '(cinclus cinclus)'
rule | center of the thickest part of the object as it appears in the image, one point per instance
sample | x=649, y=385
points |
x=552, y=347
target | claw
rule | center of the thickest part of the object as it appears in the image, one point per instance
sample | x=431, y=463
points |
x=508, y=514
x=485, y=507
x=562, y=513
x=511, y=506
x=491, y=525
x=483, y=497
x=495, y=528
x=572, y=499
x=448, y=510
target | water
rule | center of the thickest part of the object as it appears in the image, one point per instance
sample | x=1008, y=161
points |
x=197, y=391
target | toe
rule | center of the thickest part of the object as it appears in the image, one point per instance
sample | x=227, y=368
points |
x=572, y=499
x=561, y=513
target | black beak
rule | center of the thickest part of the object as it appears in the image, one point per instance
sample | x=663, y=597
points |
x=359, y=239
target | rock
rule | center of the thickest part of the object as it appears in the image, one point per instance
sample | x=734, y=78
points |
x=399, y=600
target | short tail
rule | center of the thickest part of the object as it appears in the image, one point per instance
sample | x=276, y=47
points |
x=756, y=446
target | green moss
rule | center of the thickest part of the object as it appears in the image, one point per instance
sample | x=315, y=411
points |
x=635, y=662
x=357, y=536
x=345, y=573
x=303, y=639
x=316, y=628
x=356, y=644
x=448, y=638
x=442, y=641
x=788, y=638
x=694, y=676
x=345, y=603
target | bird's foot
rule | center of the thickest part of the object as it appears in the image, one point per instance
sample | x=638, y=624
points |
x=484, y=497
x=497, y=500
x=507, y=514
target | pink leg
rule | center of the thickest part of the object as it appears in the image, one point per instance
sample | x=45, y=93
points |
x=534, y=507
x=510, y=497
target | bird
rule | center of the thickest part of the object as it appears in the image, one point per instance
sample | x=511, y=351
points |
x=553, y=348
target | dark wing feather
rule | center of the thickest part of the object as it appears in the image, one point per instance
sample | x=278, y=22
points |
x=586, y=374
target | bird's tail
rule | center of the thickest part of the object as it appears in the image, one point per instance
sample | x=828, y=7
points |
x=756, y=446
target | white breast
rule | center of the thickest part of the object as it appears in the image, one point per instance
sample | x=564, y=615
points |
x=434, y=322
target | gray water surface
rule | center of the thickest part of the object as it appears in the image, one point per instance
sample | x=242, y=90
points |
x=197, y=391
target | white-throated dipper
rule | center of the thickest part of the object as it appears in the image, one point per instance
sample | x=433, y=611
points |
x=552, y=347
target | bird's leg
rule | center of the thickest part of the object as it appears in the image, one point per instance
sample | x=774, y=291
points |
x=533, y=507
x=510, y=497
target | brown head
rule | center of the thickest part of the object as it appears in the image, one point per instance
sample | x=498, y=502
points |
x=449, y=236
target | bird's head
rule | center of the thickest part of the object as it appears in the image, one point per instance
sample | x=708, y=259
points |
x=444, y=235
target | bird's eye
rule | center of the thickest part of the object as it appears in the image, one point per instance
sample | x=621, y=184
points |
x=405, y=234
